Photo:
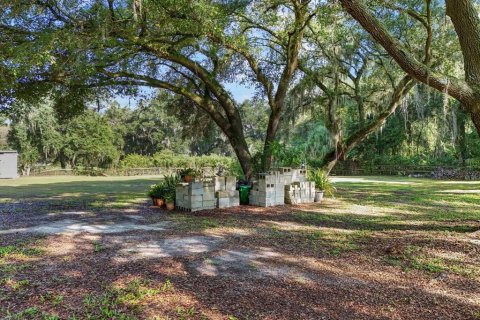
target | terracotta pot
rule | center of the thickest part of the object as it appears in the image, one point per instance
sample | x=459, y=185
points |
x=159, y=202
x=187, y=178
x=170, y=206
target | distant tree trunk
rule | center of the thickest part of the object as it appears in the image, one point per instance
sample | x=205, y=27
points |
x=358, y=95
x=63, y=160
x=460, y=140
x=26, y=170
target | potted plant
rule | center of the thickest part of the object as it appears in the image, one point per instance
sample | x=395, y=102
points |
x=323, y=184
x=188, y=174
x=170, y=201
x=169, y=190
x=156, y=193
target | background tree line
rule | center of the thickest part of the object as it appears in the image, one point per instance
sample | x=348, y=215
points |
x=151, y=135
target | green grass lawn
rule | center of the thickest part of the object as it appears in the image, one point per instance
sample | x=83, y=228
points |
x=416, y=199
x=371, y=201
x=95, y=191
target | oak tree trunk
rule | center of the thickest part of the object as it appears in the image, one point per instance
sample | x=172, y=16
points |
x=460, y=140
x=273, y=122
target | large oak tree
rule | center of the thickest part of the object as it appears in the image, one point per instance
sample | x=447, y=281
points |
x=466, y=22
x=191, y=48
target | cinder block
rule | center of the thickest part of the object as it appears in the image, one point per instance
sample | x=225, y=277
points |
x=234, y=202
x=223, y=203
x=230, y=183
x=196, y=205
x=208, y=203
x=209, y=190
x=221, y=194
x=219, y=183
x=196, y=198
x=195, y=185
x=233, y=194
x=279, y=196
x=195, y=192
x=208, y=196
x=261, y=186
x=285, y=170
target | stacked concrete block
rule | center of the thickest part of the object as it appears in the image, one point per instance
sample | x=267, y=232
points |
x=219, y=183
x=227, y=199
x=269, y=190
x=195, y=196
x=300, y=192
x=225, y=192
x=293, y=175
x=299, y=175
x=286, y=172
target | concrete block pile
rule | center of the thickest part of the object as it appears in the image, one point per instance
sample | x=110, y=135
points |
x=300, y=192
x=282, y=186
x=195, y=196
x=225, y=192
x=269, y=190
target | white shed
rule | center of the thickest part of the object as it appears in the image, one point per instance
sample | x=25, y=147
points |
x=8, y=164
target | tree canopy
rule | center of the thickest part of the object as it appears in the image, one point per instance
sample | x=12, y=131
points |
x=349, y=64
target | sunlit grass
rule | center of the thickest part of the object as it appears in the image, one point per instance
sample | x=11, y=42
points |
x=96, y=192
x=423, y=199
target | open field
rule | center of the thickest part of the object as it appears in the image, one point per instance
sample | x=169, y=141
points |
x=384, y=248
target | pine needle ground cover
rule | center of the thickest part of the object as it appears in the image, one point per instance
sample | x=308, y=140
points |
x=384, y=248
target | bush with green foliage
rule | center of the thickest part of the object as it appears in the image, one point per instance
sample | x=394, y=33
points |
x=322, y=181
x=168, y=159
x=165, y=189
x=93, y=172
x=287, y=156
x=189, y=172
x=157, y=190
x=169, y=186
x=136, y=161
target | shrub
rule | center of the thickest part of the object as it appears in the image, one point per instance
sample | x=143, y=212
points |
x=322, y=181
x=189, y=172
x=169, y=186
x=168, y=159
x=157, y=190
x=165, y=189
x=136, y=161
x=94, y=172
x=213, y=161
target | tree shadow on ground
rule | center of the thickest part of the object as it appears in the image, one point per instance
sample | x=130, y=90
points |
x=80, y=271
x=294, y=262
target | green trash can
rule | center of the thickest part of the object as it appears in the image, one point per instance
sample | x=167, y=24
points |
x=244, y=193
